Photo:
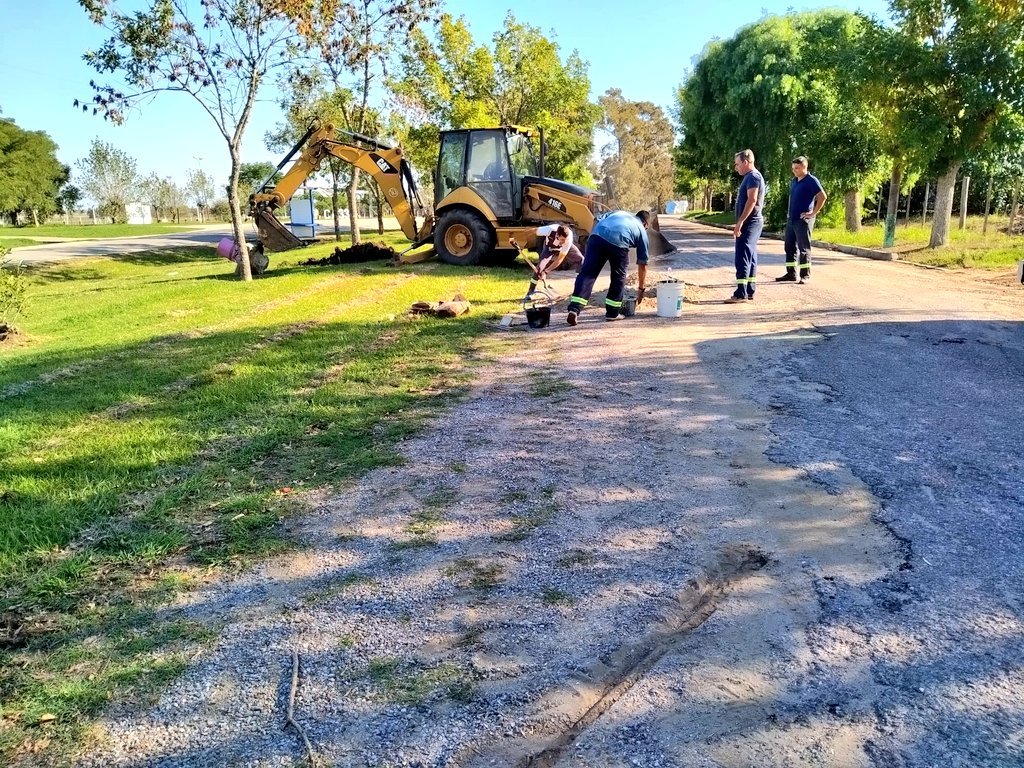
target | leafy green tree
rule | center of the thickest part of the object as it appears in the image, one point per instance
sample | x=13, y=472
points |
x=355, y=44
x=521, y=80
x=781, y=87
x=199, y=189
x=957, y=67
x=163, y=194
x=638, y=164
x=13, y=293
x=67, y=199
x=109, y=177
x=252, y=175
x=219, y=53
x=30, y=174
x=306, y=101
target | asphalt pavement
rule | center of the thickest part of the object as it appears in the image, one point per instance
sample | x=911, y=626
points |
x=74, y=249
x=915, y=386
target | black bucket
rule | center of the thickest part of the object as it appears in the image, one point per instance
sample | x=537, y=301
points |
x=538, y=317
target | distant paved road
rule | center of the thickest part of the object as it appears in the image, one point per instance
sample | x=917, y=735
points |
x=64, y=251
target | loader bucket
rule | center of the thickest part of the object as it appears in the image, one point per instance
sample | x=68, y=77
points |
x=659, y=244
x=275, y=236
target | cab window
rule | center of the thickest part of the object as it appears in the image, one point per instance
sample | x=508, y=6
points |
x=520, y=153
x=487, y=160
x=449, y=164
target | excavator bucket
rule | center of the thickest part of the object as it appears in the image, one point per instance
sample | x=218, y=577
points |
x=659, y=244
x=275, y=235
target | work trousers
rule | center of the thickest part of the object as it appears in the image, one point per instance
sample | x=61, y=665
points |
x=600, y=252
x=746, y=258
x=798, y=242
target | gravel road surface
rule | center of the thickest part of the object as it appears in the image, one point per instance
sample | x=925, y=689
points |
x=780, y=533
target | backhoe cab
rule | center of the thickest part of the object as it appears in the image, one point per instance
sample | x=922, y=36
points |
x=488, y=186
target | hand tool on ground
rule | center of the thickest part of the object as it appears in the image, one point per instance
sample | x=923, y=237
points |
x=546, y=291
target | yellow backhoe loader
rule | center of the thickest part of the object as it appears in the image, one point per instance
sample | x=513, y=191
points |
x=488, y=187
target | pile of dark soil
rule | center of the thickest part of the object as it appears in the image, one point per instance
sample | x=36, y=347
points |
x=354, y=255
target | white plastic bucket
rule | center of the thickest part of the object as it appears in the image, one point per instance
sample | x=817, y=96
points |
x=670, y=298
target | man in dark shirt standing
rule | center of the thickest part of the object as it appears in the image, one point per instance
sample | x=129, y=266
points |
x=806, y=197
x=749, y=223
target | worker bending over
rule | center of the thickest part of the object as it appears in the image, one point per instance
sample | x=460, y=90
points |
x=558, y=249
x=610, y=242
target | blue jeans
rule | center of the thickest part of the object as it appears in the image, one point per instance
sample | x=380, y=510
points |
x=746, y=258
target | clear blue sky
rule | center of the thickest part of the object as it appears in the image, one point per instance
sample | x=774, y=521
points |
x=644, y=49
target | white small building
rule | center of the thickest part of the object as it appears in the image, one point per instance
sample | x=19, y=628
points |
x=138, y=213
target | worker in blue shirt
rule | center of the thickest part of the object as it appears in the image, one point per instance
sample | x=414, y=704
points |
x=749, y=223
x=806, y=197
x=613, y=236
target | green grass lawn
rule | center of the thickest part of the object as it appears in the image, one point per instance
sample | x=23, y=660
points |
x=967, y=247
x=18, y=242
x=161, y=418
x=91, y=230
x=706, y=217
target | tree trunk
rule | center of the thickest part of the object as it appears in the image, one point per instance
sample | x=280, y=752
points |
x=988, y=205
x=892, y=206
x=353, y=214
x=944, y=206
x=35, y=218
x=924, y=208
x=878, y=208
x=910, y=197
x=852, y=206
x=965, y=187
x=335, y=174
x=380, y=216
x=244, y=268
x=1013, y=208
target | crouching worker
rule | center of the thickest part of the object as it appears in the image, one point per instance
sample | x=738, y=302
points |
x=613, y=236
x=558, y=252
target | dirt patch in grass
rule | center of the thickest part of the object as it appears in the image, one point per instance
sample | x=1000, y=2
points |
x=354, y=255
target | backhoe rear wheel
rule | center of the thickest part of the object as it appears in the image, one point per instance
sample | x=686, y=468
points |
x=463, y=238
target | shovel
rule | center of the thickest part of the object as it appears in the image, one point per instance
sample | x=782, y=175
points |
x=546, y=290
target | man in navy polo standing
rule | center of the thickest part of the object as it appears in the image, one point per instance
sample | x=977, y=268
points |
x=806, y=197
x=749, y=223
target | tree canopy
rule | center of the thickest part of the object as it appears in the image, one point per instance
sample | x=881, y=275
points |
x=781, y=87
x=453, y=82
x=109, y=177
x=31, y=177
x=637, y=167
x=219, y=54
x=352, y=45
x=953, y=77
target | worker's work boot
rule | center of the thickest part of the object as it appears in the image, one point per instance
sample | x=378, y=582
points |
x=789, y=277
x=805, y=277
x=573, y=317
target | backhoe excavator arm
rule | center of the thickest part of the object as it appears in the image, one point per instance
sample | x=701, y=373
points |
x=384, y=163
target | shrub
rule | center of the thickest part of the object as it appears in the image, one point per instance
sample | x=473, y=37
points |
x=12, y=290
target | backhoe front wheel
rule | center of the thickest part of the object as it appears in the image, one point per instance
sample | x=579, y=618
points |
x=463, y=238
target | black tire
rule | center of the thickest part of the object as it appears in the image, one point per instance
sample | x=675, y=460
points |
x=463, y=238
